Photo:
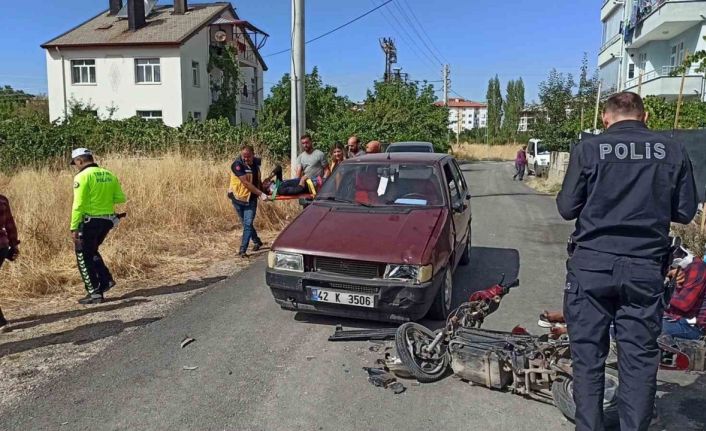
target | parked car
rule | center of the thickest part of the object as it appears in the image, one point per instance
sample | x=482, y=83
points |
x=410, y=147
x=380, y=241
x=537, y=157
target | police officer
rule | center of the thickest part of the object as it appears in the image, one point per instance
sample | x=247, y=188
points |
x=623, y=187
x=96, y=191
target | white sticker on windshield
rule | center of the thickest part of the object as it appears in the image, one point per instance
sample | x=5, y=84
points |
x=382, y=187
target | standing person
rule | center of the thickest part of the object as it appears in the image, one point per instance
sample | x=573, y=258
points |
x=244, y=191
x=96, y=191
x=354, y=149
x=311, y=162
x=520, y=163
x=623, y=187
x=338, y=154
x=9, y=244
x=373, y=147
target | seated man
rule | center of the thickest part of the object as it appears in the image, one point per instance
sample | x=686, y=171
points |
x=687, y=303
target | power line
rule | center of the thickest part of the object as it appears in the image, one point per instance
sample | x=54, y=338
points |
x=416, y=49
x=333, y=30
x=411, y=10
x=414, y=28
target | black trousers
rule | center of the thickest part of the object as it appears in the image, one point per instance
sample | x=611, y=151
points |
x=602, y=289
x=94, y=273
x=291, y=188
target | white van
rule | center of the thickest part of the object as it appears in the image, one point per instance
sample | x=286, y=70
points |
x=537, y=157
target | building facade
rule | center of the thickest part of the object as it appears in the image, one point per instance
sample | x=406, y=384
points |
x=153, y=62
x=644, y=41
x=466, y=115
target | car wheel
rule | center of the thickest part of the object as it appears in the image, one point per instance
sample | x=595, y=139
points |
x=442, y=303
x=466, y=256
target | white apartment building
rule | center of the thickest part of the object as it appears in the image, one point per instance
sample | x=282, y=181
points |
x=152, y=61
x=645, y=40
x=466, y=115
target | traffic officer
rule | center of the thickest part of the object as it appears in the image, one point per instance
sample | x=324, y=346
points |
x=623, y=187
x=96, y=191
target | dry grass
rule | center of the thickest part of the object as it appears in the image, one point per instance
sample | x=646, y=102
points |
x=485, y=152
x=179, y=220
x=544, y=185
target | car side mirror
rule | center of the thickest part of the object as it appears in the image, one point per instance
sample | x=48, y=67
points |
x=458, y=207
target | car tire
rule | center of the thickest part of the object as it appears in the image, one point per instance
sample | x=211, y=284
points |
x=441, y=306
x=466, y=256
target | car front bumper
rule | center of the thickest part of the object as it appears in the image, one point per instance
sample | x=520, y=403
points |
x=395, y=301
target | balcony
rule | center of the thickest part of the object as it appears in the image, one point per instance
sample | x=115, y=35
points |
x=664, y=19
x=660, y=83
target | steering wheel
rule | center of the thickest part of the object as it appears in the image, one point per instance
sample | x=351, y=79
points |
x=413, y=196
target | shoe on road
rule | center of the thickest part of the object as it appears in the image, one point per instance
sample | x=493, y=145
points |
x=243, y=255
x=257, y=246
x=91, y=299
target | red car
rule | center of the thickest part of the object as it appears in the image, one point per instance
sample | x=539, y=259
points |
x=380, y=241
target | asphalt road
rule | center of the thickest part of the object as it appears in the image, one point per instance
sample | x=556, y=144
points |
x=262, y=368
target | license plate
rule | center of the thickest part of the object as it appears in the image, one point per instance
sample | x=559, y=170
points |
x=335, y=297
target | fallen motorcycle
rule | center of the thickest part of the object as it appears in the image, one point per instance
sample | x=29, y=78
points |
x=537, y=367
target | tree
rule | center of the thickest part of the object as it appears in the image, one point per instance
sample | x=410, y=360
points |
x=495, y=107
x=392, y=111
x=556, y=97
x=400, y=111
x=514, y=103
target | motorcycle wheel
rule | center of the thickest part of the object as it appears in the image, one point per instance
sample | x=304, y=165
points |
x=563, y=395
x=426, y=367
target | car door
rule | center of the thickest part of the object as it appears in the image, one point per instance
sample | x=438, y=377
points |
x=467, y=214
x=456, y=205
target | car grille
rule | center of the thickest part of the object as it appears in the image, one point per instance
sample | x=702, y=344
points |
x=353, y=268
x=354, y=288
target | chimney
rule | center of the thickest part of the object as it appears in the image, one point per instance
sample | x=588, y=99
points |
x=180, y=7
x=135, y=14
x=115, y=6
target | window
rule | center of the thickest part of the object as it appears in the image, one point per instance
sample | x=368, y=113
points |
x=83, y=71
x=611, y=26
x=631, y=71
x=148, y=71
x=454, y=189
x=150, y=115
x=196, y=73
x=197, y=116
x=642, y=61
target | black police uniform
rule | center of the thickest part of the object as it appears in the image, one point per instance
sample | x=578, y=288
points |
x=623, y=187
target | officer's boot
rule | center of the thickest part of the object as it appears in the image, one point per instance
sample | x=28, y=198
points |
x=91, y=298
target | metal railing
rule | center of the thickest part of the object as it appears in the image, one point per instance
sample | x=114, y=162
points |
x=664, y=72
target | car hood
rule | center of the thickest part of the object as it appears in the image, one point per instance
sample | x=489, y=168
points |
x=362, y=234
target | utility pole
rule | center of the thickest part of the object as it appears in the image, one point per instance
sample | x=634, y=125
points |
x=446, y=82
x=390, y=50
x=298, y=75
x=598, y=101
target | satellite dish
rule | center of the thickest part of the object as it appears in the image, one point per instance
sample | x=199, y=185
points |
x=220, y=36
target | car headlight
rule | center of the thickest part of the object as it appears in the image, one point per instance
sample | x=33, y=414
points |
x=285, y=261
x=419, y=274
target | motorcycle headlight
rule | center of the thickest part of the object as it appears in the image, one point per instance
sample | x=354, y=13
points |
x=285, y=261
x=419, y=274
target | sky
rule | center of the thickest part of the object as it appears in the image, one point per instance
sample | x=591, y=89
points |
x=477, y=38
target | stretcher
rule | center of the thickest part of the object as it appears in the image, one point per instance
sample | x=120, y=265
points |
x=290, y=197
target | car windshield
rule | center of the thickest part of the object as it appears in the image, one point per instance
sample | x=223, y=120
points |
x=379, y=185
x=409, y=149
x=541, y=148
